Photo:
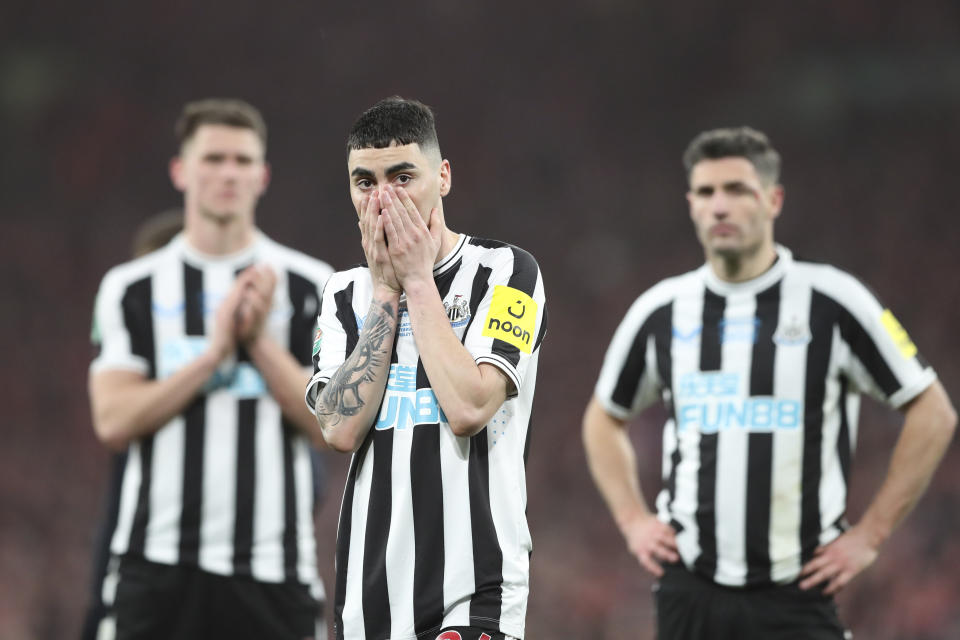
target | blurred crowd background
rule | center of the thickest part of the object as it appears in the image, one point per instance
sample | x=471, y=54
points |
x=564, y=123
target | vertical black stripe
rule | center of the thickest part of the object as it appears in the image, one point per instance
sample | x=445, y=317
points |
x=347, y=317
x=138, y=532
x=710, y=351
x=524, y=278
x=634, y=366
x=863, y=346
x=246, y=483
x=477, y=292
x=376, y=598
x=844, y=446
x=194, y=429
x=343, y=539
x=487, y=599
x=823, y=314
x=290, y=550
x=137, y=304
x=303, y=298
x=760, y=445
x=426, y=493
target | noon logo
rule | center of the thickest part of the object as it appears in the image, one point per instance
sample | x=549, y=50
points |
x=512, y=318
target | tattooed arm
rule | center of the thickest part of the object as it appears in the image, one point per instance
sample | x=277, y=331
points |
x=347, y=406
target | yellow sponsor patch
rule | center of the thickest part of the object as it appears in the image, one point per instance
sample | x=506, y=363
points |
x=512, y=318
x=899, y=334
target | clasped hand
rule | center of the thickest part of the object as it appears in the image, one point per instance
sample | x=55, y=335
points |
x=401, y=247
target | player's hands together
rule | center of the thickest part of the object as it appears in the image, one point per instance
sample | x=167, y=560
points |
x=256, y=299
x=372, y=236
x=837, y=563
x=413, y=242
x=223, y=339
x=652, y=542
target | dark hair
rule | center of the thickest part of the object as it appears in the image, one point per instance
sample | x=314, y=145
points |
x=394, y=119
x=226, y=111
x=735, y=142
x=156, y=231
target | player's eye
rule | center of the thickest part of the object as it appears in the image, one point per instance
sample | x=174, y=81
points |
x=403, y=178
x=363, y=183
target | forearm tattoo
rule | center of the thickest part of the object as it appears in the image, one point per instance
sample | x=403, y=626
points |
x=341, y=397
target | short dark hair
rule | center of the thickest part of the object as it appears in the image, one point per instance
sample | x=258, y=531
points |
x=735, y=142
x=231, y=112
x=394, y=119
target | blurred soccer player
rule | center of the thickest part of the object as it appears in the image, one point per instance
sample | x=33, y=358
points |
x=203, y=346
x=760, y=358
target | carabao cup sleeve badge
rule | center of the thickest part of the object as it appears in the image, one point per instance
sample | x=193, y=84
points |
x=512, y=318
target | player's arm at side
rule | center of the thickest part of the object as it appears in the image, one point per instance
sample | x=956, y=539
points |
x=126, y=405
x=469, y=393
x=346, y=407
x=929, y=423
x=613, y=465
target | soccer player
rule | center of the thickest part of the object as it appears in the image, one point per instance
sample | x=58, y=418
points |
x=425, y=363
x=760, y=358
x=203, y=350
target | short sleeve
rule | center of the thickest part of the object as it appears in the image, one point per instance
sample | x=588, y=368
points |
x=511, y=318
x=121, y=322
x=334, y=337
x=629, y=380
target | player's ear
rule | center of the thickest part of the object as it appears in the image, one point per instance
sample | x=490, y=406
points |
x=176, y=173
x=777, y=195
x=446, y=178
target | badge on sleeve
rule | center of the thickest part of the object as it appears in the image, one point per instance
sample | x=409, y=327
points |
x=512, y=318
x=317, y=339
x=899, y=334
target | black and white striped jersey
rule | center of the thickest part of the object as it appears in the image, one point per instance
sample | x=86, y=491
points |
x=762, y=383
x=433, y=531
x=225, y=486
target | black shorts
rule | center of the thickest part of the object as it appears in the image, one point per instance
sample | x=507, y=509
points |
x=159, y=602
x=690, y=607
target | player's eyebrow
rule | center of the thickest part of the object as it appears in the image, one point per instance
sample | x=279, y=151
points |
x=402, y=166
x=360, y=171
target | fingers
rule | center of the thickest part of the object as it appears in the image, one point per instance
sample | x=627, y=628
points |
x=651, y=565
x=410, y=211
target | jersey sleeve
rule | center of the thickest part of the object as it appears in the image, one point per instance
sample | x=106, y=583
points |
x=882, y=360
x=511, y=318
x=629, y=381
x=115, y=334
x=334, y=337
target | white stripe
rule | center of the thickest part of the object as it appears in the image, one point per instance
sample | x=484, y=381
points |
x=833, y=491
x=266, y=562
x=306, y=540
x=685, y=355
x=732, y=444
x=458, y=580
x=166, y=480
x=129, y=490
x=789, y=382
x=400, y=539
x=218, y=511
x=166, y=494
x=353, y=624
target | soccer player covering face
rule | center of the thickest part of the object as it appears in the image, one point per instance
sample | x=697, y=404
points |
x=760, y=359
x=425, y=364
